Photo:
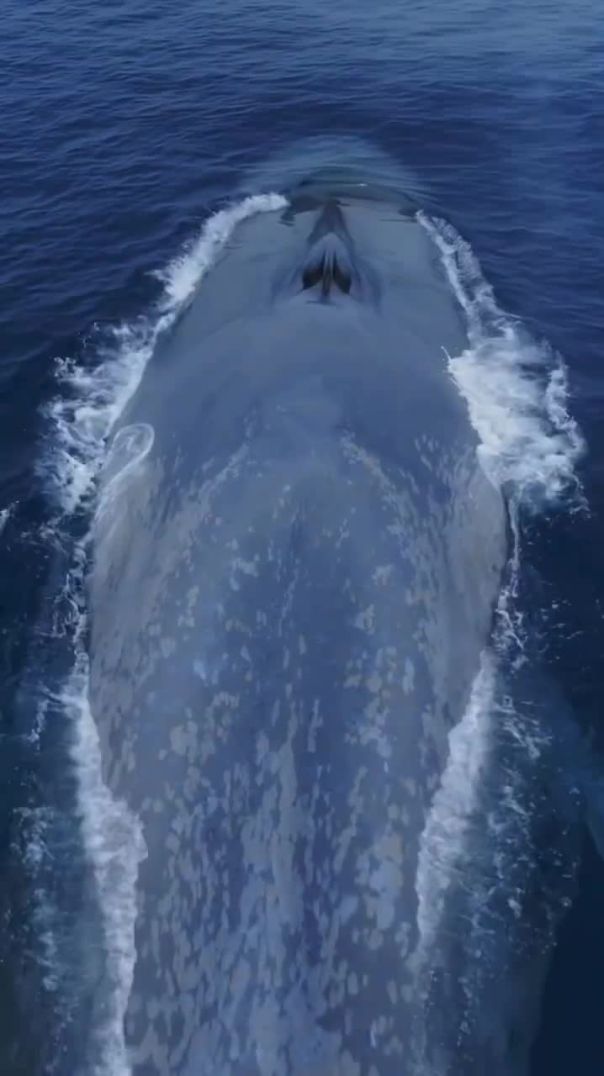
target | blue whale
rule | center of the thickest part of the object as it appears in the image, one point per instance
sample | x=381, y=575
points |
x=296, y=558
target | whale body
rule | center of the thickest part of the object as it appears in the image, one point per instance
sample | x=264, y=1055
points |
x=296, y=557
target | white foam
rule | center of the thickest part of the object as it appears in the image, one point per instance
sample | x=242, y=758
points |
x=183, y=274
x=454, y=803
x=35, y=822
x=92, y=399
x=5, y=514
x=115, y=846
x=515, y=387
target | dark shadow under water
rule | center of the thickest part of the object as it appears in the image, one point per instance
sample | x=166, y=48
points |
x=570, y=1035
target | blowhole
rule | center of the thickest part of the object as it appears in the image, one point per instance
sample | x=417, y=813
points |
x=327, y=272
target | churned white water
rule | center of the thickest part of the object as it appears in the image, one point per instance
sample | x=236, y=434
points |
x=93, y=398
x=454, y=802
x=114, y=843
x=5, y=514
x=515, y=386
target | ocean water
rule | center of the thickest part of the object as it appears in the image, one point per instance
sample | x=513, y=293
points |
x=134, y=139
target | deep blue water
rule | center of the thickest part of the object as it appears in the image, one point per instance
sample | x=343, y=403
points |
x=123, y=126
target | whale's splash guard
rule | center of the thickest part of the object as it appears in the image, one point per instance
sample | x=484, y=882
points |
x=480, y=866
x=81, y=419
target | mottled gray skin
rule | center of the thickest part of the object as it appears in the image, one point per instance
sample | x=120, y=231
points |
x=296, y=559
